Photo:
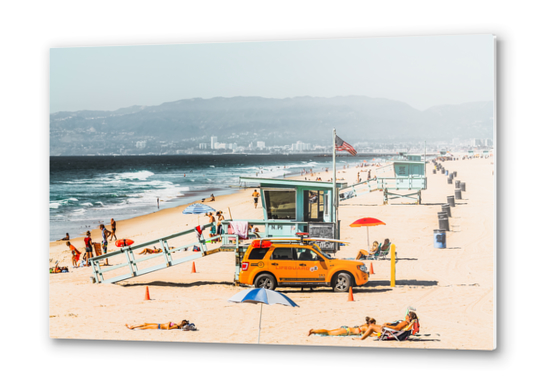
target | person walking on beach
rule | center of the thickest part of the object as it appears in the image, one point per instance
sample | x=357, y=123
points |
x=105, y=235
x=255, y=195
x=88, y=249
x=113, y=229
x=75, y=254
x=158, y=202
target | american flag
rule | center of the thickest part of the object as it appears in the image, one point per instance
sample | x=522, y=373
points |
x=341, y=145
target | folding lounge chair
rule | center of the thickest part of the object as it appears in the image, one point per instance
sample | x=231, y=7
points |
x=382, y=254
x=391, y=334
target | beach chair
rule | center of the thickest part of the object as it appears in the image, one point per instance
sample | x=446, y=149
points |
x=400, y=335
x=382, y=254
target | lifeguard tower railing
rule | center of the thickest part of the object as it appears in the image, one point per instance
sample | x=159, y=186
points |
x=127, y=263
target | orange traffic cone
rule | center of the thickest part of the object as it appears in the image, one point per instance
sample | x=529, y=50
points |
x=372, y=271
x=147, y=297
x=350, y=295
x=193, y=267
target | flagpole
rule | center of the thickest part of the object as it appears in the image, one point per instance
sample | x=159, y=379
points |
x=335, y=210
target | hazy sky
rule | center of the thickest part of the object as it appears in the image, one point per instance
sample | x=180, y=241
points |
x=421, y=71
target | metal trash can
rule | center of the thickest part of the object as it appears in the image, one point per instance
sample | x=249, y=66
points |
x=443, y=222
x=451, y=201
x=458, y=184
x=449, y=180
x=458, y=194
x=442, y=170
x=439, y=238
x=451, y=176
x=464, y=187
x=455, y=173
x=434, y=171
x=446, y=208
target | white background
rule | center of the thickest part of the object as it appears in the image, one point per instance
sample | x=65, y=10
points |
x=29, y=29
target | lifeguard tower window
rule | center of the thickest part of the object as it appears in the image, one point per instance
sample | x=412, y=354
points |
x=314, y=206
x=402, y=170
x=284, y=254
x=280, y=204
x=257, y=253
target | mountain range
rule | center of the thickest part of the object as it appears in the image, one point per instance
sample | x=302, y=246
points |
x=185, y=123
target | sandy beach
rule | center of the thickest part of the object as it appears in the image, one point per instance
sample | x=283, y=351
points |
x=452, y=289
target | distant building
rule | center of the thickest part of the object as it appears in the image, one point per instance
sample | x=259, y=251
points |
x=202, y=145
x=489, y=142
x=260, y=144
x=141, y=144
x=220, y=146
x=299, y=146
x=213, y=142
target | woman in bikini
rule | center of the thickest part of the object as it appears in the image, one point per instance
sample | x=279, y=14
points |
x=150, y=250
x=373, y=328
x=166, y=326
x=345, y=331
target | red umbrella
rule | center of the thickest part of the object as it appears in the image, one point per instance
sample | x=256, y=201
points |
x=367, y=222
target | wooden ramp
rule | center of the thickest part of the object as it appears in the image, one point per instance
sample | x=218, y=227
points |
x=128, y=263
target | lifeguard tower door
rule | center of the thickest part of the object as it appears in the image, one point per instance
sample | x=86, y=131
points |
x=313, y=209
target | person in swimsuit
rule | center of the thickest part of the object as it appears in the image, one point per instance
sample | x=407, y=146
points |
x=105, y=235
x=219, y=229
x=255, y=195
x=377, y=329
x=66, y=238
x=166, y=326
x=150, y=250
x=344, y=331
x=75, y=254
x=113, y=229
x=88, y=248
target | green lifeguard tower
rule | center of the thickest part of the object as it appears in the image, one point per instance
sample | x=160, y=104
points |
x=294, y=206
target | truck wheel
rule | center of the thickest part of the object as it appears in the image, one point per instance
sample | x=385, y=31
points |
x=265, y=280
x=342, y=282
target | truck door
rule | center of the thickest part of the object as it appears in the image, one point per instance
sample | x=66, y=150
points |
x=310, y=268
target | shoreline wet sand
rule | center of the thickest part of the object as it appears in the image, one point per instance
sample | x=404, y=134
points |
x=452, y=289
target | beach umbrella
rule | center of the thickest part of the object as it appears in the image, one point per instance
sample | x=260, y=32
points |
x=198, y=209
x=367, y=222
x=262, y=296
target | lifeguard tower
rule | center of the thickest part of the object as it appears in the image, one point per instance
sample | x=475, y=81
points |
x=294, y=206
x=400, y=179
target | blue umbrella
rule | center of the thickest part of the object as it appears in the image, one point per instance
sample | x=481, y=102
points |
x=262, y=296
x=197, y=209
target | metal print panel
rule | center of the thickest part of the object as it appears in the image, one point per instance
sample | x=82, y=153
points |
x=317, y=192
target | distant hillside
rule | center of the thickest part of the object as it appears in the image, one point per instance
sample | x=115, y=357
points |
x=275, y=121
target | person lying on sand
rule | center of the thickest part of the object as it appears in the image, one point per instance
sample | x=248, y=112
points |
x=377, y=329
x=344, y=331
x=150, y=250
x=166, y=326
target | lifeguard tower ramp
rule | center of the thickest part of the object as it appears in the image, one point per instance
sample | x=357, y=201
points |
x=398, y=180
x=127, y=263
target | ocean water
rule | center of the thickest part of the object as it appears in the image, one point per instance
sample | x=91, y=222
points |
x=87, y=191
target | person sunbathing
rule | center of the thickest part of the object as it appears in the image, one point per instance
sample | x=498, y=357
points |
x=363, y=253
x=166, y=326
x=344, y=331
x=377, y=329
x=150, y=250
x=385, y=245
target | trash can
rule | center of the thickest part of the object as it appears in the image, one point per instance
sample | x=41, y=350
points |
x=458, y=184
x=451, y=201
x=449, y=180
x=446, y=208
x=458, y=194
x=442, y=170
x=434, y=171
x=455, y=173
x=446, y=173
x=464, y=187
x=443, y=222
x=439, y=238
x=451, y=176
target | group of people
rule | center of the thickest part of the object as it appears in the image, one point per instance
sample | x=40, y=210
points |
x=370, y=327
x=216, y=227
x=107, y=235
x=375, y=250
